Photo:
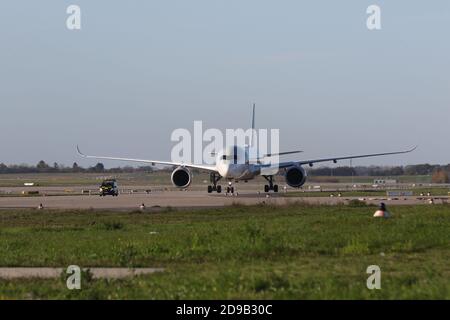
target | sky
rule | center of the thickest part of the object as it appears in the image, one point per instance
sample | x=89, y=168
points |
x=138, y=70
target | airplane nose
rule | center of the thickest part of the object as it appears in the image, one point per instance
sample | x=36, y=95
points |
x=224, y=170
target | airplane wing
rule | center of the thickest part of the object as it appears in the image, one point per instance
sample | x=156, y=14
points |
x=268, y=155
x=335, y=159
x=209, y=168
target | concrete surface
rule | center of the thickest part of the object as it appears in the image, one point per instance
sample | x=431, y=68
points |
x=15, y=273
x=186, y=199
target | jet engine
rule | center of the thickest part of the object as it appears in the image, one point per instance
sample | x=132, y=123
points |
x=181, y=177
x=295, y=176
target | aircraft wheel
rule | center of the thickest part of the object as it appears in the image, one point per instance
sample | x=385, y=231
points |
x=219, y=189
x=232, y=189
x=210, y=189
x=275, y=188
x=266, y=188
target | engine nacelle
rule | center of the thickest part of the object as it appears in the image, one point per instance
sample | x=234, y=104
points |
x=295, y=176
x=181, y=177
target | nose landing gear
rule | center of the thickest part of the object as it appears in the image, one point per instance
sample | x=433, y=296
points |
x=270, y=186
x=214, y=178
x=230, y=188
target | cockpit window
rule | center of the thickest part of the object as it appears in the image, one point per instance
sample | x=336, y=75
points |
x=230, y=157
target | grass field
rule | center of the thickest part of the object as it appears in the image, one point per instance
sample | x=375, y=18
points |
x=435, y=191
x=161, y=178
x=369, y=180
x=297, y=251
x=80, y=179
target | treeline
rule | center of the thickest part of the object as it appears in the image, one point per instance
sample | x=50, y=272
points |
x=375, y=171
x=43, y=167
x=439, y=173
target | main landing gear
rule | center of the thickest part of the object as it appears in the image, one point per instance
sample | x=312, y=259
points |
x=214, y=178
x=270, y=186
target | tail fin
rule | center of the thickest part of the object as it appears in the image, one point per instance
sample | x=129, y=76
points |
x=253, y=125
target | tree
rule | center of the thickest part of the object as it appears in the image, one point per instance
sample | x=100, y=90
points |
x=3, y=168
x=99, y=167
x=419, y=169
x=42, y=165
x=440, y=176
x=75, y=167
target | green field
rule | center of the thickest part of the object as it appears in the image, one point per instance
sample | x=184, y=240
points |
x=369, y=179
x=81, y=179
x=163, y=178
x=435, y=191
x=297, y=251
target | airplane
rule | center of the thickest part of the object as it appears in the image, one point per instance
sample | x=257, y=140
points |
x=230, y=166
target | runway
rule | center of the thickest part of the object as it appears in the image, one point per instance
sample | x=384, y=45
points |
x=186, y=199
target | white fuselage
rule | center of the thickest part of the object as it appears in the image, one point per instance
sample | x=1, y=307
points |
x=233, y=163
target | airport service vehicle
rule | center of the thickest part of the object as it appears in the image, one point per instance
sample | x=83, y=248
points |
x=109, y=187
x=234, y=164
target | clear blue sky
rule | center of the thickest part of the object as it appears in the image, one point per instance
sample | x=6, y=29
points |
x=140, y=69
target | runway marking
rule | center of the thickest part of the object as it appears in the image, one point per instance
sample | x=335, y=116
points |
x=48, y=273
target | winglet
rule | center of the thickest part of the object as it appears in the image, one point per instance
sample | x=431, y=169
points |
x=80, y=153
x=415, y=147
x=409, y=150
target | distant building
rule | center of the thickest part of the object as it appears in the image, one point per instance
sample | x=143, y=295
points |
x=402, y=193
x=385, y=181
